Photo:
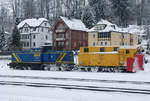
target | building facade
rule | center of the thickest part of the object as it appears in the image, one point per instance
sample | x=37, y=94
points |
x=69, y=34
x=35, y=33
x=108, y=34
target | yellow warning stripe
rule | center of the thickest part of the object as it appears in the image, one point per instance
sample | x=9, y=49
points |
x=62, y=57
x=59, y=59
x=17, y=58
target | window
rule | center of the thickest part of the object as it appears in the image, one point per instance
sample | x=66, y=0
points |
x=104, y=35
x=127, y=51
x=60, y=43
x=42, y=29
x=34, y=29
x=34, y=44
x=28, y=36
x=49, y=30
x=54, y=36
x=93, y=35
x=24, y=36
x=75, y=44
x=45, y=24
x=113, y=26
x=101, y=43
x=34, y=36
x=102, y=49
x=122, y=36
x=105, y=43
x=67, y=43
x=61, y=35
x=67, y=35
x=46, y=37
x=27, y=44
x=93, y=43
x=86, y=49
x=115, y=49
x=54, y=43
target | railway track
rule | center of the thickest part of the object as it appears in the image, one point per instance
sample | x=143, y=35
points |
x=75, y=79
x=77, y=87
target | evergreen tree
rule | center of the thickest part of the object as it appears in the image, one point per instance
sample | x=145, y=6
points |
x=2, y=40
x=88, y=17
x=16, y=44
x=99, y=8
x=121, y=10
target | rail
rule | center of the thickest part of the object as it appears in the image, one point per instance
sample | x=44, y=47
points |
x=77, y=87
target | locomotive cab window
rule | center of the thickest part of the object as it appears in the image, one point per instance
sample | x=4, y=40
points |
x=86, y=49
x=127, y=51
x=102, y=49
x=115, y=49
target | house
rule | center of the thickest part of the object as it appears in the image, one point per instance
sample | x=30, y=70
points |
x=35, y=33
x=105, y=33
x=69, y=34
x=138, y=30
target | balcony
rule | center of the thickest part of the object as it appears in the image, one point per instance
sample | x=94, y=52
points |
x=60, y=30
x=60, y=39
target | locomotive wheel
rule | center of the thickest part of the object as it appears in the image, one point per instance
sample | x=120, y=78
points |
x=94, y=69
x=23, y=68
x=88, y=69
x=28, y=68
x=111, y=69
x=116, y=70
x=54, y=68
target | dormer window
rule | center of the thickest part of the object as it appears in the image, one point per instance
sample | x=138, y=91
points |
x=34, y=29
x=45, y=24
x=113, y=26
x=100, y=27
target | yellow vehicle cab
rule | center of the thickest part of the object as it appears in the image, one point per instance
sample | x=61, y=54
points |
x=108, y=58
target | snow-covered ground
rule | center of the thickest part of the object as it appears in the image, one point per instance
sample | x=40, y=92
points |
x=139, y=76
x=15, y=93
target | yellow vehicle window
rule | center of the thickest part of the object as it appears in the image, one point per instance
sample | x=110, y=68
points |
x=102, y=49
x=86, y=49
x=127, y=51
x=115, y=49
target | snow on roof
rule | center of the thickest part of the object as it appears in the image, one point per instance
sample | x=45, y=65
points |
x=113, y=27
x=32, y=22
x=108, y=28
x=102, y=21
x=74, y=24
x=136, y=29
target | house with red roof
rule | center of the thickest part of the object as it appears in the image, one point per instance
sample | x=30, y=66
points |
x=69, y=34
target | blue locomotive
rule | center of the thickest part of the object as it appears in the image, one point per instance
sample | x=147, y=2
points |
x=42, y=59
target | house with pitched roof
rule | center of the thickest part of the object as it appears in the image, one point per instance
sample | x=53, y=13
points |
x=104, y=33
x=35, y=33
x=69, y=34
